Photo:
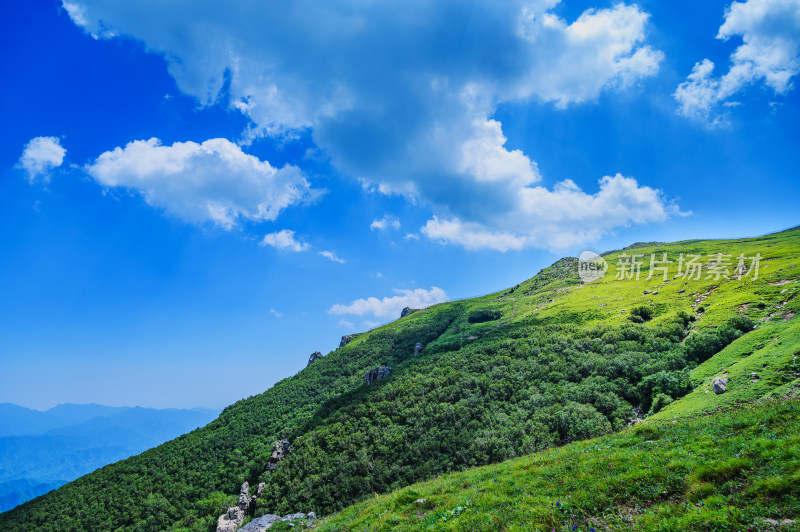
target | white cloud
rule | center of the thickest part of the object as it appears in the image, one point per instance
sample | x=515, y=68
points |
x=275, y=313
x=388, y=221
x=345, y=323
x=558, y=218
x=331, y=255
x=420, y=123
x=392, y=306
x=40, y=156
x=284, y=240
x=213, y=181
x=770, y=53
x=471, y=235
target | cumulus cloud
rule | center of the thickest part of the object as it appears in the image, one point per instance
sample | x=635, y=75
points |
x=331, y=255
x=403, y=103
x=559, y=218
x=213, y=181
x=40, y=156
x=284, y=240
x=386, y=222
x=769, y=53
x=276, y=313
x=391, y=306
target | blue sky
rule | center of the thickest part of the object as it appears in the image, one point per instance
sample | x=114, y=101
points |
x=196, y=196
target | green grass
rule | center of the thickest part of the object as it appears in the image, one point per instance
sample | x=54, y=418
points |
x=728, y=471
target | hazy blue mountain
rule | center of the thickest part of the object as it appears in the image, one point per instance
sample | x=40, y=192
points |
x=16, y=492
x=17, y=420
x=40, y=451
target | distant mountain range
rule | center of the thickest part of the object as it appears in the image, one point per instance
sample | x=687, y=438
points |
x=40, y=451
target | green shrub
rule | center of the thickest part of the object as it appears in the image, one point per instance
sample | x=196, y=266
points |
x=741, y=323
x=702, y=345
x=483, y=315
x=640, y=314
x=660, y=401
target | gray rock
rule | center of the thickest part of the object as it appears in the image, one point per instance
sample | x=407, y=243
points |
x=230, y=520
x=312, y=515
x=376, y=374
x=406, y=311
x=316, y=355
x=782, y=522
x=244, y=498
x=346, y=339
x=293, y=517
x=417, y=348
x=648, y=292
x=261, y=524
x=280, y=450
x=681, y=291
x=719, y=384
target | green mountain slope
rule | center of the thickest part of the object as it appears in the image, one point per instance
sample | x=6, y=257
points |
x=546, y=362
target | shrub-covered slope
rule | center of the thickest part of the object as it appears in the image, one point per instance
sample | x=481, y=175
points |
x=546, y=362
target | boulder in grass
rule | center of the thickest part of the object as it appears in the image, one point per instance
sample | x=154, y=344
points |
x=719, y=385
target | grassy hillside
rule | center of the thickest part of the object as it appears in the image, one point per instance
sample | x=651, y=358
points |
x=543, y=363
x=738, y=470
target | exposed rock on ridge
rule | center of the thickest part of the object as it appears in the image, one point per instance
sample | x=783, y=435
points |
x=408, y=310
x=346, y=339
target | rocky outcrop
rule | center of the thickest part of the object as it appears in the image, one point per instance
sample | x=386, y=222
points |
x=406, y=311
x=719, y=384
x=346, y=339
x=244, y=498
x=376, y=374
x=417, y=348
x=280, y=450
x=314, y=356
x=264, y=522
x=231, y=520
